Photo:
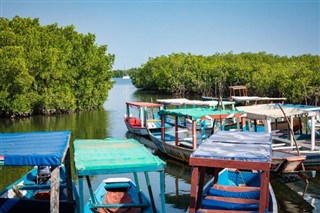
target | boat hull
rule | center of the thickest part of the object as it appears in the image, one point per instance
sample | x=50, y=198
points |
x=169, y=148
x=138, y=130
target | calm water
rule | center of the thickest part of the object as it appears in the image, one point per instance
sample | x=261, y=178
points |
x=108, y=122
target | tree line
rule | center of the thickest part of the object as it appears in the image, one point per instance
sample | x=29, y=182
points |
x=297, y=77
x=50, y=69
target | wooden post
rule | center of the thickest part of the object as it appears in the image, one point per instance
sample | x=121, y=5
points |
x=193, y=190
x=264, y=193
x=141, y=116
x=243, y=124
x=200, y=189
x=162, y=127
x=176, y=128
x=291, y=133
x=54, y=190
x=68, y=176
x=162, y=193
x=194, y=135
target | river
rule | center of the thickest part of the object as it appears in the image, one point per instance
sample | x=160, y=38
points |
x=108, y=122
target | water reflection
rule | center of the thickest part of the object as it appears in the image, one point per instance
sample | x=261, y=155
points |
x=86, y=124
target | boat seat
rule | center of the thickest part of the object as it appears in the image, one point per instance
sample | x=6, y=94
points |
x=235, y=191
x=227, y=203
x=124, y=185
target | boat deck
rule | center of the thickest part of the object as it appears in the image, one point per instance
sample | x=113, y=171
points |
x=304, y=145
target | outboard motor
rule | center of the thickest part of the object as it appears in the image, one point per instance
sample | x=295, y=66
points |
x=44, y=174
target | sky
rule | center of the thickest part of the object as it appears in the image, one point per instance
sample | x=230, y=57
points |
x=137, y=30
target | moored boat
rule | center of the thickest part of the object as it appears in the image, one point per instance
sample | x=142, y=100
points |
x=145, y=120
x=117, y=156
x=241, y=173
x=48, y=186
x=306, y=143
x=181, y=142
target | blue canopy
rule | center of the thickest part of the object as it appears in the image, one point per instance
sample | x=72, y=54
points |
x=34, y=148
x=245, y=146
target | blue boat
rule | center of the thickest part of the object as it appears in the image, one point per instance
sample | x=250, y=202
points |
x=241, y=169
x=48, y=186
x=117, y=156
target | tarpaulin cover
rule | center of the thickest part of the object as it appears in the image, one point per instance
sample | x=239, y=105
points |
x=34, y=148
x=110, y=156
x=245, y=146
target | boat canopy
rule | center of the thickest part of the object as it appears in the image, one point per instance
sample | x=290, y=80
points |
x=173, y=101
x=184, y=101
x=243, y=146
x=144, y=104
x=302, y=107
x=111, y=156
x=34, y=148
x=197, y=113
x=267, y=111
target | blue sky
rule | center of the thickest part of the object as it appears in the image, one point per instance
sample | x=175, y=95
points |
x=138, y=29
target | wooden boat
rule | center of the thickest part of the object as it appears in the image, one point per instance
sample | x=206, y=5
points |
x=40, y=189
x=113, y=191
x=239, y=94
x=117, y=156
x=235, y=190
x=186, y=103
x=181, y=142
x=269, y=112
x=240, y=174
x=145, y=121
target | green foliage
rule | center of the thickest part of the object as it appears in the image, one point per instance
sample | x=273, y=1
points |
x=50, y=69
x=296, y=78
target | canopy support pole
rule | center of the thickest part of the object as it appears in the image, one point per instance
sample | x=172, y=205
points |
x=54, y=190
x=68, y=176
x=313, y=130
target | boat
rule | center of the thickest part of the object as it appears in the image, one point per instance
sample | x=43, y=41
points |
x=239, y=94
x=146, y=119
x=115, y=157
x=48, y=186
x=240, y=174
x=126, y=77
x=180, y=143
x=306, y=143
x=186, y=103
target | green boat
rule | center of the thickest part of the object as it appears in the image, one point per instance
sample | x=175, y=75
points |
x=117, y=156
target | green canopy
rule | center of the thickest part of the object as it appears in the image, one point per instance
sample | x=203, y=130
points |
x=110, y=156
x=197, y=113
